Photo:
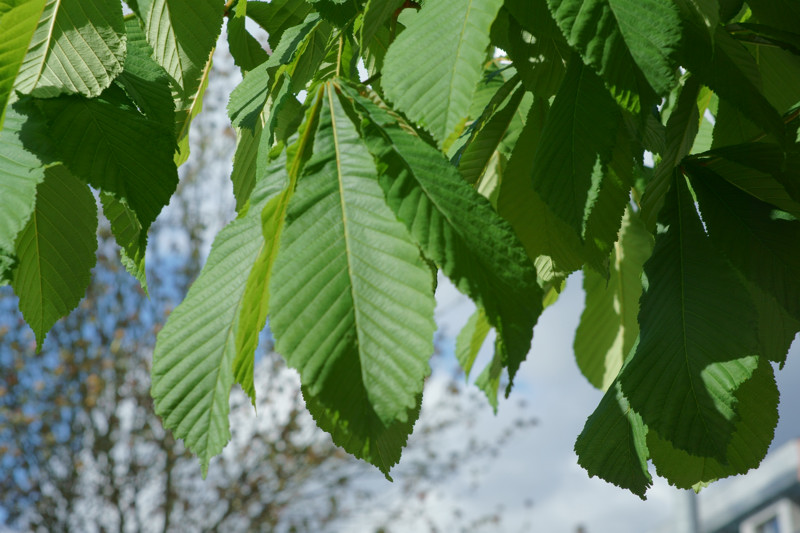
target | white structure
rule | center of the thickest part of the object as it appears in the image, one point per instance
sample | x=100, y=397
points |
x=767, y=500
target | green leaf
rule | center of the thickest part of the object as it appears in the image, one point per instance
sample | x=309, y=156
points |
x=547, y=239
x=192, y=372
x=350, y=295
x=489, y=380
x=16, y=26
x=431, y=70
x=776, y=329
x=782, y=14
x=20, y=169
x=698, y=336
x=278, y=16
x=613, y=444
x=758, y=406
x=131, y=156
x=729, y=70
x=682, y=127
x=255, y=305
x=537, y=46
x=56, y=251
x=340, y=13
x=745, y=229
x=129, y=234
x=487, y=133
x=630, y=43
x=762, y=169
x=145, y=82
x=182, y=34
x=470, y=340
x=250, y=96
x=376, y=13
x=457, y=229
x=246, y=50
x=577, y=143
x=78, y=48
x=609, y=328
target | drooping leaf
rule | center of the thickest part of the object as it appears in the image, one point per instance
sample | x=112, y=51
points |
x=250, y=96
x=376, y=13
x=489, y=379
x=129, y=235
x=776, y=328
x=474, y=160
x=346, y=271
x=681, y=131
x=630, y=43
x=609, y=327
x=145, y=82
x=78, y=48
x=457, y=229
x=758, y=406
x=20, y=170
x=756, y=168
x=56, y=251
x=243, y=175
x=782, y=14
x=431, y=70
x=16, y=26
x=277, y=16
x=246, y=50
x=338, y=12
x=698, y=336
x=729, y=70
x=745, y=230
x=537, y=46
x=548, y=240
x=192, y=372
x=577, y=143
x=613, y=444
x=132, y=155
x=470, y=340
x=182, y=34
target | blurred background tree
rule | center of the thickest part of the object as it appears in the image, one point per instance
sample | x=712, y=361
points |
x=82, y=450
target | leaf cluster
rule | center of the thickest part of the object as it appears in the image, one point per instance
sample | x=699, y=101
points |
x=502, y=143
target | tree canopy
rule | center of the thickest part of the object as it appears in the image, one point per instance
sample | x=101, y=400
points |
x=502, y=143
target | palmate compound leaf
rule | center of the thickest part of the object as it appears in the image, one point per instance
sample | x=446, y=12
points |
x=131, y=155
x=56, y=251
x=431, y=70
x=630, y=43
x=456, y=228
x=698, y=340
x=17, y=25
x=193, y=369
x=609, y=325
x=752, y=235
x=351, y=300
x=78, y=48
x=758, y=409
